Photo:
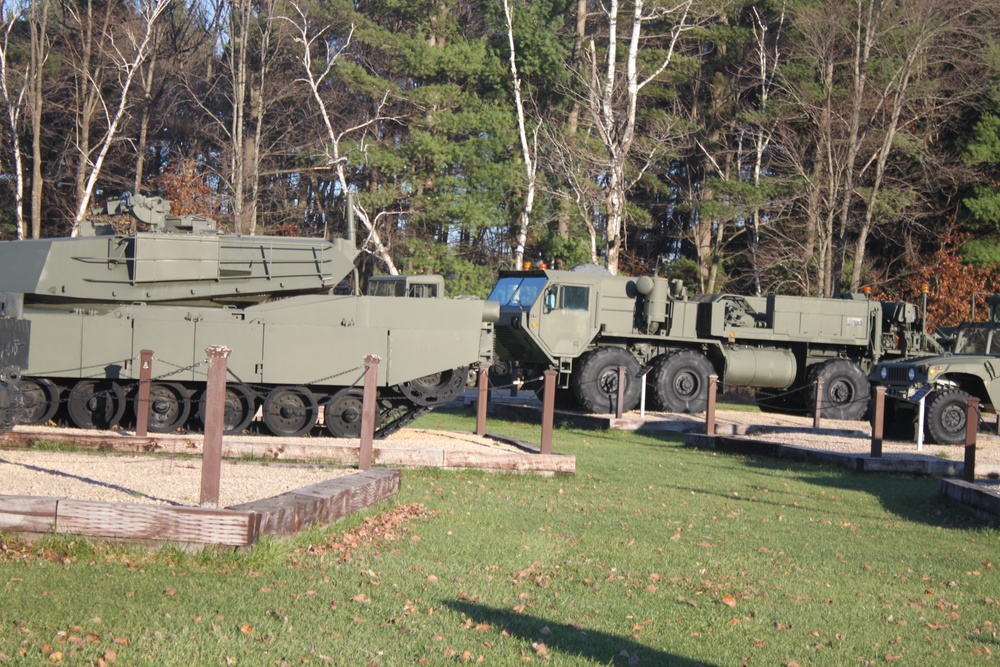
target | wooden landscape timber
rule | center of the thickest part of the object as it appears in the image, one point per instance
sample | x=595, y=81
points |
x=237, y=526
x=526, y=460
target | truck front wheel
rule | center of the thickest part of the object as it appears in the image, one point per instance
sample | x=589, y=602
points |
x=680, y=381
x=595, y=380
x=946, y=416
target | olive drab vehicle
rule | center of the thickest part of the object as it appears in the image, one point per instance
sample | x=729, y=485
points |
x=95, y=301
x=943, y=384
x=587, y=323
x=15, y=333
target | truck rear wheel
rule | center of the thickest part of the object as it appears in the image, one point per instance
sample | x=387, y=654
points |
x=846, y=392
x=680, y=381
x=595, y=381
x=946, y=416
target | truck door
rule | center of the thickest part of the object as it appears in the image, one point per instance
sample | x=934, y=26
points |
x=564, y=326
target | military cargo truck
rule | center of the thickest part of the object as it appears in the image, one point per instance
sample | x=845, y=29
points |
x=586, y=323
x=140, y=278
x=943, y=384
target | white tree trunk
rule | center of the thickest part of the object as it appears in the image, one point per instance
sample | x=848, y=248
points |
x=528, y=152
x=128, y=66
x=334, y=157
x=15, y=107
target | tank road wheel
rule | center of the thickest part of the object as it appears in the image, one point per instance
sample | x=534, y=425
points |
x=169, y=407
x=290, y=411
x=437, y=388
x=680, y=381
x=96, y=404
x=846, y=391
x=40, y=399
x=595, y=381
x=946, y=416
x=241, y=404
x=343, y=413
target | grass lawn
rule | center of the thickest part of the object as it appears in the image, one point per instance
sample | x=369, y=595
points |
x=652, y=554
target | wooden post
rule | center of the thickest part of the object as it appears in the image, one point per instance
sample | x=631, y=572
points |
x=483, y=400
x=878, y=423
x=368, y=411
x=215, y=410
x=621, y=392
x=142, y=399
x=548, y=411
x=713, y=388
x=818, y=410
x=971, y=428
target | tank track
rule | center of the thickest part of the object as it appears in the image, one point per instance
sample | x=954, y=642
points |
x=398, y=418
x=395, y=413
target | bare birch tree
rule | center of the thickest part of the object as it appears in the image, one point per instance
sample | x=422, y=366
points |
x=529, y=151
x=14, y=87
x=335, y=137
x=38, y=19
x=614, y=100
x=126, y=51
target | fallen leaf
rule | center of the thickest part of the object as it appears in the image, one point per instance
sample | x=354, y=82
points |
x=246, y=629
x=729, y=600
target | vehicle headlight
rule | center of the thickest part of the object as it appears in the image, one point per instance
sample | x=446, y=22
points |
x=883, y=373
x=912, y=375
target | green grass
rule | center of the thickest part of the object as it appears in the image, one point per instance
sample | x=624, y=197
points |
x=652, y=554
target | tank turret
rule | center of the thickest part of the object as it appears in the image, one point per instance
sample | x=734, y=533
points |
x=138, y=278
x=179, y=259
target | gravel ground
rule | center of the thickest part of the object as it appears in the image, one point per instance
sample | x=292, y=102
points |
x=160, y=479
x=177, y=480
x=852, y=437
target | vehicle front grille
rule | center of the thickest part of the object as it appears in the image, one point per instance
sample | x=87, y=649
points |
x=898, y=375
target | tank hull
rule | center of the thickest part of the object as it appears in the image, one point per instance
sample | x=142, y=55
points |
x=317, y=341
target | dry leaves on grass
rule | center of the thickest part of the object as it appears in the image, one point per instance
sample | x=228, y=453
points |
x=373, y=532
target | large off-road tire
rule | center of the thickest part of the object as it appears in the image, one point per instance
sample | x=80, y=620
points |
x=680, y=381
x=595, y=381
x=846, y=392
x=946, y=416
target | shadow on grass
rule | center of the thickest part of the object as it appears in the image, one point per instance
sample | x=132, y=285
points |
x=600, y=647
x=912, y=498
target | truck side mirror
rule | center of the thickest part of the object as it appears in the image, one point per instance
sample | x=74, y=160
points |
x=550, y=299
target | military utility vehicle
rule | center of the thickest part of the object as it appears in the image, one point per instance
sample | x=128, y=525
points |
x=179, y=286
x=587, y=323
x=943, y=384
x=14, y=341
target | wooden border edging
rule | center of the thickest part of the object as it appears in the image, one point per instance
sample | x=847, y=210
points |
x=322, y=503
x=985, y=501
x=239, y=525
x=527, y=460
x=912, y=465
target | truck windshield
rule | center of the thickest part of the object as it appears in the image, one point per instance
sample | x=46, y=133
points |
x=514, y=291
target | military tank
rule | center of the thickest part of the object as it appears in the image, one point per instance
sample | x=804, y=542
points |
x=14, y=341
x=138, y=278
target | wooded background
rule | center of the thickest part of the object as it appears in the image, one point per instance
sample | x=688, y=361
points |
x=797, y=146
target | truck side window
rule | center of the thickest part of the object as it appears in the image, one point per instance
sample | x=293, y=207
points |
x=576, y=298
